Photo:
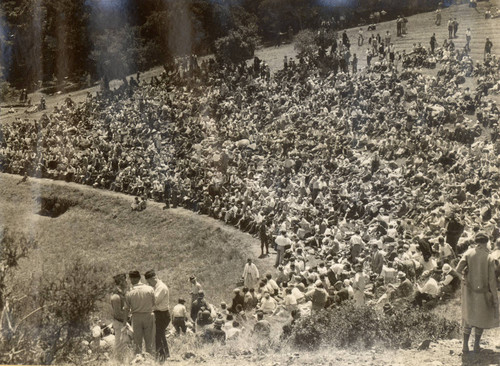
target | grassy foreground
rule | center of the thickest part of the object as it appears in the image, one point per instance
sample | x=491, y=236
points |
x=101, y=227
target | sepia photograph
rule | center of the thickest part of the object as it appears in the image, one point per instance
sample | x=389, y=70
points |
x=250, y=182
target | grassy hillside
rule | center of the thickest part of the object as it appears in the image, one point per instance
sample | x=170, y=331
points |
x=100, y=226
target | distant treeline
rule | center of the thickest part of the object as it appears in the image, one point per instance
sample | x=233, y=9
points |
x=61, y=41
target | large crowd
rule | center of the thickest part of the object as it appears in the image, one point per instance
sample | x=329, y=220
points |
x=367, y=184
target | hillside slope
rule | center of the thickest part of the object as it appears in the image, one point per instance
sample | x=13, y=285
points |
x=100, y=226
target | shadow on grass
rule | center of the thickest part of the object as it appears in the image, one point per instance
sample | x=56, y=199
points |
x=485, y=357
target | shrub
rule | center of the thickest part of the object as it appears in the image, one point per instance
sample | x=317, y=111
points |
x=307, y=42
x=351, y=326
x=238, y=46
x=53, y=328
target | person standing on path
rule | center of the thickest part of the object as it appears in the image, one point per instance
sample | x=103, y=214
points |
x=438, y=17
x=468, y=36
x=162, y=314
x=450, y=28
x=139, y=301
x=479, y=291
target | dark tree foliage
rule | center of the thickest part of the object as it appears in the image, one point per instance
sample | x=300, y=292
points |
x=53, y=42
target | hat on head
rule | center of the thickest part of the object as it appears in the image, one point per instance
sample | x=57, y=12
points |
x=192, y=278
x=150, y=274
x=446, y=268
x=481, y=237
x=182, y=301
x=201, y=293
x=219, y=322
x=401, y=275
x=134, y=274
x=318, y=283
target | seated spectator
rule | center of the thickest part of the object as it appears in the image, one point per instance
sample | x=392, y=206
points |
x=262, y=328
x=429, y=291
x=215, y=333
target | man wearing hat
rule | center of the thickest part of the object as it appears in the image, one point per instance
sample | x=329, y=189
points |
x=119, y=314
x=216, y=333
x=318, y=296
x=451, y=282
x=162, y=314
x=179, y=316
x=479, y=291
x=139, y=301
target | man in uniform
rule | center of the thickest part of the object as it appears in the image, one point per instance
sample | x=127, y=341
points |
x=479, y=291
x=119, y=314
x=162, y=314
x=139, y=301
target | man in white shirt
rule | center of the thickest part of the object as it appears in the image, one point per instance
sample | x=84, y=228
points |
x=267, y=304
x=179, y=316
x=281, y=242
x=429, y=291
x=162, y=314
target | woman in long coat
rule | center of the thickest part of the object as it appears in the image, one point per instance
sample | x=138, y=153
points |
x=479, y=291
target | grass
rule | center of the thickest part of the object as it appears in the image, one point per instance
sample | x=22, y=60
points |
x=101, y=227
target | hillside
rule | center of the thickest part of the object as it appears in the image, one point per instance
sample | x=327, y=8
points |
x=420, y=28
x=100, y=225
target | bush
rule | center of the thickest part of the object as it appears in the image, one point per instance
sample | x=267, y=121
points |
x=351, y=326
x=238, y=46
x=58, y=320
x=307, y=42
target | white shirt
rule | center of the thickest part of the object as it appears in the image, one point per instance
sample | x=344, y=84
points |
x=283, y=241
x=161, y=296
x=179, y=311
x=431, y=287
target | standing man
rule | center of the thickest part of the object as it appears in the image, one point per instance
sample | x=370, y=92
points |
x=450, y=28
x=479, y=291
x=139, y=301
x=361, y=39
x=119, y=314
x=433, y=43
x=162, y=314
x=281, y=242
x=250, y=275
x=468, y=36
x=455, y=27
x=195, y=288
x=487, y=48
x=377, y=260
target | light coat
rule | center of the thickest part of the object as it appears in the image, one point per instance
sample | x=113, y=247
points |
x=479, y=288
